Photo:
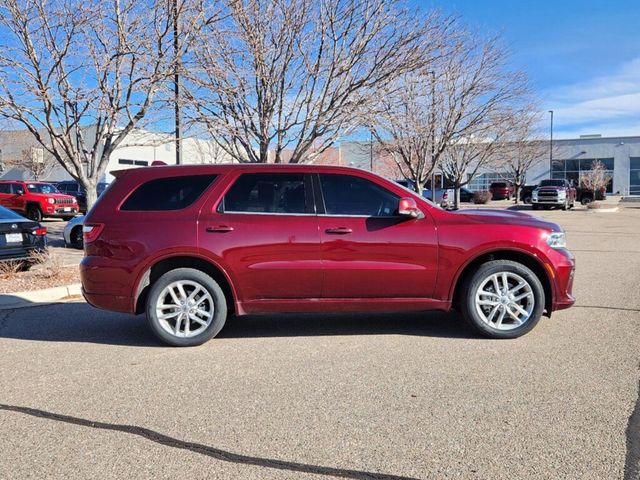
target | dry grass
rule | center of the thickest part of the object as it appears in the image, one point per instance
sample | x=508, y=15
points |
x=10, y=269
x=50, y=265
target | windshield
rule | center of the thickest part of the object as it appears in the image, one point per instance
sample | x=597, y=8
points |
x=45, y=188
x=552, y=183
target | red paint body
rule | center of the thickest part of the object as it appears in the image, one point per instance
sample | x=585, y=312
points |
x=308, y=262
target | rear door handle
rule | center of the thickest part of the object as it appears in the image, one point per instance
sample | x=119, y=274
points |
x=338, y=230
x=220, y=229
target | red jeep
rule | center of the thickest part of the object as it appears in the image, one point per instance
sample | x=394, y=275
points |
x=189, y=244
x=36, y=200
x=501, y=190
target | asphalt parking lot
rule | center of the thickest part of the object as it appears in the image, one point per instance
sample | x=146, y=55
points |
x=91, y=394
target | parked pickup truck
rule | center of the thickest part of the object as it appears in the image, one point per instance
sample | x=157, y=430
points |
x=553, y=193
x=36, y=200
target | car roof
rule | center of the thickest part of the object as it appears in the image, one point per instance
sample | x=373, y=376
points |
x=220, y=168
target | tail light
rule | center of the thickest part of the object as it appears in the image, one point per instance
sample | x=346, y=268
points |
x=91, y=232
x=40, y=231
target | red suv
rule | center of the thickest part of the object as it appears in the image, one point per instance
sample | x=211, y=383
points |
x=189, y=244
x=36, y=200
x=501, y=190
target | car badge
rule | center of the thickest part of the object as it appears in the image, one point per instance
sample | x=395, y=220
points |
x=14, y=226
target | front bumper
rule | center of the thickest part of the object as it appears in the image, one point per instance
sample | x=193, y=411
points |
x=61, y=211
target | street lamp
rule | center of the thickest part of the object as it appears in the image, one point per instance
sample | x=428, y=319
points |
x=551, y=146
x=433, y=135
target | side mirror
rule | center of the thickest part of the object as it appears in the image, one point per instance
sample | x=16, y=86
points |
x=20, y=192
x=407, y=207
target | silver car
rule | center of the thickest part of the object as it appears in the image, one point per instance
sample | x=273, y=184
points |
x=73, y=232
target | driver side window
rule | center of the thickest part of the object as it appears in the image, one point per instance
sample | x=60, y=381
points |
x=349, y=195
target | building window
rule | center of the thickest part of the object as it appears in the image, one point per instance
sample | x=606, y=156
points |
x=572, y=169
x=483, y=181
x=137, y=163
x=634, y=176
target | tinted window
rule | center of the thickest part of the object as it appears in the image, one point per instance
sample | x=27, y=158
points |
x=173, y=193
x=267, y=193
x=348, y=195
x=499, y=185
x=5, y=188
x=552, y=183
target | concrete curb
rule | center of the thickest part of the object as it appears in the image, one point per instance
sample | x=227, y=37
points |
x=10, y=301
x=603, y=210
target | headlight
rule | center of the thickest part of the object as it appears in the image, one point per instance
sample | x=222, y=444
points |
x=534, y=195
x=562, y=193
x=557, y=240
x=51, y=200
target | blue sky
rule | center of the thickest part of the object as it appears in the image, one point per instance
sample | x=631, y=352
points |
x=583, y=57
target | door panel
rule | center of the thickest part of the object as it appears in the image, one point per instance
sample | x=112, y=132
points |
x=380, y=257
x=369, y=251
x=265, y=233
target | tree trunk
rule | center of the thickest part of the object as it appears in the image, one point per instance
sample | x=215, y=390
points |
x=90, y=188
x=517, y=193
x=456, y=195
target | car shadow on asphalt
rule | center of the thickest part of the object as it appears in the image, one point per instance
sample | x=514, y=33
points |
x=78, y=322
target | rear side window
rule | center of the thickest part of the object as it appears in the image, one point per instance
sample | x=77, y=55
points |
x=267, y=193
x=174, y=193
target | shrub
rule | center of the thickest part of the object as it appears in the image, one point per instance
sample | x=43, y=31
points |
x=51, y=265
x=482, y=196
x=9, y=269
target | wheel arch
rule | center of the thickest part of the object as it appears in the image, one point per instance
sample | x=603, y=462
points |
x=163, y=265
x=528, y=260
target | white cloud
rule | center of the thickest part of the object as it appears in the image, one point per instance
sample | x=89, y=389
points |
x=608, y=104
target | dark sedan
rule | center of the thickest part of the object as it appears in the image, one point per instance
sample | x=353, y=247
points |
x=19, y=237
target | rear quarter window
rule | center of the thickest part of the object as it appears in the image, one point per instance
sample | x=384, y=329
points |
x=166, y=194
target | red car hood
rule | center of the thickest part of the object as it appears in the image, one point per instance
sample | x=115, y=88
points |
x=507, y=217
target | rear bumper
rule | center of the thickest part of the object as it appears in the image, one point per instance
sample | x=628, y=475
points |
x=105, y=286
x=115, y=303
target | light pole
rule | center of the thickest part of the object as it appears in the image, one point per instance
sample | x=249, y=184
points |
x=176, y=81
x=433, y=135
x=551, y=146
x=371, y=150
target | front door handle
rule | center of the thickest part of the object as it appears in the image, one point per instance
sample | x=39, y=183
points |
x=338, y=230
x=220, y=229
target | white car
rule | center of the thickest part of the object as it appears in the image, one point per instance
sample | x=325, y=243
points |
x=73, y=232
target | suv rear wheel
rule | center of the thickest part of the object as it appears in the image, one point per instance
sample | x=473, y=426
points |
x=186, y=307
x=503, y=299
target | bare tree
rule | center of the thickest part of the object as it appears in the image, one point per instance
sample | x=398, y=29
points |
x=37, y=163
x=270, y=75
x=459, y=102
x=80, y=76
x=523, y=147
x=595, y=179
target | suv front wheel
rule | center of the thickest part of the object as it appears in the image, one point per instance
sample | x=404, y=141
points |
x=186, y=307
x=503, y=299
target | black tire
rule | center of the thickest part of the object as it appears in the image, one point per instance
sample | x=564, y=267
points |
x=209, y=285
x=475, y=281
x=527, y=199
x=76, y=238
x=585, y=200
x=565, y=205
x=34, y=213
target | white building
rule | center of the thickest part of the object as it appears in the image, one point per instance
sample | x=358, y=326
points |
x=140, y=148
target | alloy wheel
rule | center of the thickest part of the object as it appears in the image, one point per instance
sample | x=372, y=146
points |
x=504, y=301
x=185, y=308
